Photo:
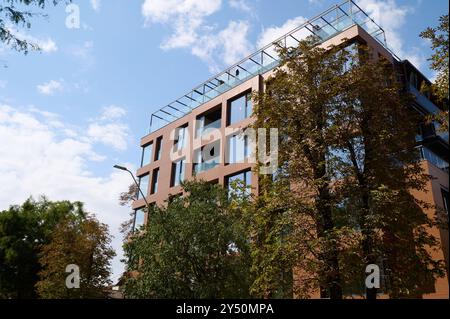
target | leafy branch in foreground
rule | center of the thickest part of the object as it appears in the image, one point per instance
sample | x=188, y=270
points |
x=16, y=14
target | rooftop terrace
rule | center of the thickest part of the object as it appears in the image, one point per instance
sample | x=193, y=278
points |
x=324, y=26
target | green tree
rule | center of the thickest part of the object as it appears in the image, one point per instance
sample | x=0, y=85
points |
x=126, y=199
x=439, y=63
x=23, y=231
x=195, y=247
x=81, y=241
x=298, y=100
x=17, y=14
x=347, y=145
x=378, y=166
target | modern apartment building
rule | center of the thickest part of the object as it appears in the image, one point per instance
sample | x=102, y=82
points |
x=197, y=134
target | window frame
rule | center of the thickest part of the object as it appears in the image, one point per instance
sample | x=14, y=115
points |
x=147, y=175
x=158, y=149
x=149, y=145
x=248, y=105
x=182, y=172
x=155, y=181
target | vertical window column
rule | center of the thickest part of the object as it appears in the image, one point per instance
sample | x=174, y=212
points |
x=154, y=188
x=143, y=185
x=177, y=176
x=158, y=148
x=239, y=109
x=146, y=154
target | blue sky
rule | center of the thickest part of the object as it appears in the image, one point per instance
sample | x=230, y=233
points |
x=70, y=112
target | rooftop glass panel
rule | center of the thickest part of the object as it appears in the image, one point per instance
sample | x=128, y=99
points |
x=328, y=24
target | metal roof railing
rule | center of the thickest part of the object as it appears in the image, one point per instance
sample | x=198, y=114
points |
x=324, y=26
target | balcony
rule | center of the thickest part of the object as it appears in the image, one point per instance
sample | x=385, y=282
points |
x=434, y=159
x=202, y=130
x=206, y=166
x=423, y=101
x=207, y=157
x=209, y=121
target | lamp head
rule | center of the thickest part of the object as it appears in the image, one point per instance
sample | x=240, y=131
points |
x=120, y=167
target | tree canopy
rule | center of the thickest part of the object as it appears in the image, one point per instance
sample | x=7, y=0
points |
x=347, y=146
x=40, y=235
x=193, y=247
x=438, y=36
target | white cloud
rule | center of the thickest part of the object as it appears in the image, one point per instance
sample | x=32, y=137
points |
x=271, y=34
x=187, y=19
x=113, y=112
x=95, y=4
x=50, y=87
x=164, y=10
x=227, y=46
x=241, y=5
x=107, y=129
x=37, y=158
x=47, y=45
x=234, y=40
x=392, y=17
x=111, y=134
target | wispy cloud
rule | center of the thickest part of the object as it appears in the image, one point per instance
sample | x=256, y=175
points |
x=241, y=5
x=112, y=112
x=95, y=4
x=108, y=129
x=51, y=87
x=83, y=53
x=45, y=44
x=273, y=33
x=227, y=47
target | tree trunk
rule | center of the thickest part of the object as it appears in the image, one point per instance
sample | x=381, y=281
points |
x=330, y=255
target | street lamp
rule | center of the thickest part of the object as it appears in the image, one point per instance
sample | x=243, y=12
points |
x=122, y=168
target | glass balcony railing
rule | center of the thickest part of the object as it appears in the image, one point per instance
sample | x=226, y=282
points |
x=423, y=100
x=209, y=127
x=206, y=166
x=323, y=27
x=434, y=159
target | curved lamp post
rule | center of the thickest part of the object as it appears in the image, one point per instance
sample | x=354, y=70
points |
x=122, y=168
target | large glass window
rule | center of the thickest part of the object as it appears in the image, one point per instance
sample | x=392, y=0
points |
x=177, y=172
x=140, y=218
x=143, y=185
x=237, y=149
x=180, y=138
x=155, y=178
x=207, y=157
x=239, y=109
x=158, y=148
x=244, y=177
x=146, y=154
x=209, y=121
